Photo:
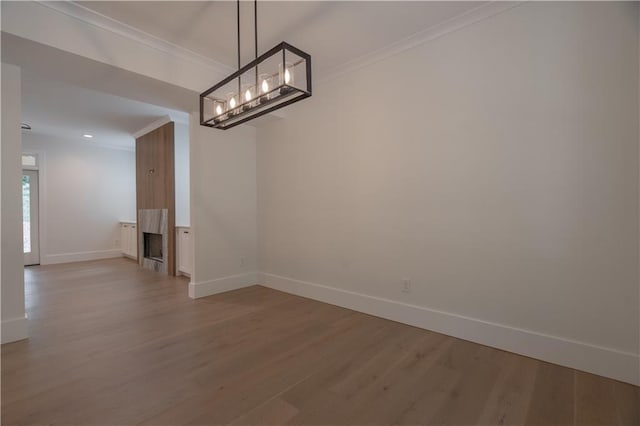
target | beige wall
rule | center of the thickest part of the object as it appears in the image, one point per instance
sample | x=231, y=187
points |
x=14, y=324
x=495, y=167
x=223, y=208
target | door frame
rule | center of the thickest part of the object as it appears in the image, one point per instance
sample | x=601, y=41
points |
x=42, y=207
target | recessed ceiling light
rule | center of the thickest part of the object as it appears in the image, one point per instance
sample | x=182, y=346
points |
x=87, y=135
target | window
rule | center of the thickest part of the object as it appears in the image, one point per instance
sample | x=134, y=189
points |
x=29, y=160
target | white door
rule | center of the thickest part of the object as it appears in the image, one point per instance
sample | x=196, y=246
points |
x=30, y=237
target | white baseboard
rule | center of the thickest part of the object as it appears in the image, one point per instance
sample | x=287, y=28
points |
x=623, y=366
x=14, y=329
x=220, y=285
x=51, y=259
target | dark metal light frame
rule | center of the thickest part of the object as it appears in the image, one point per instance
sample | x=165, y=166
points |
x=280, y=96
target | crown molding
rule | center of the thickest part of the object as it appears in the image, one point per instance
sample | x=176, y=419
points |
x=465, y=19
x=456, y=23
x=88, y=16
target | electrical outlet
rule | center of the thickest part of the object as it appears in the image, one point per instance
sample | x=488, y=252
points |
x=242, y=262
x=117, y=243
x=406, y=285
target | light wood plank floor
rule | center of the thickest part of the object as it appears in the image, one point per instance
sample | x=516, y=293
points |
x=113, y=344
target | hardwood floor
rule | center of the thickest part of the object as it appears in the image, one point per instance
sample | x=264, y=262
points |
x=114, y=344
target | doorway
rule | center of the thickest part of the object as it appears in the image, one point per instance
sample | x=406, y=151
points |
x=30, y=218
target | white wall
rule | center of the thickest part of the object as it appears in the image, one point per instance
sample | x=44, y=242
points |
x=181, y=155
x=86, y=191
x=14, y=322
x=495, y=167
x=223, y=208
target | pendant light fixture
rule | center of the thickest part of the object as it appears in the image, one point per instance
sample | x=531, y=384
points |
x=275, y=79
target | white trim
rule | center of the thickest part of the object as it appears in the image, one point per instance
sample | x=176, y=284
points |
x=104, y=22
x=14, y=329
x=456, y=23
x=469, y=17
x=52, y=259
x=152, y=126
x=608, y=362
x=220, y=285
x=638, y=20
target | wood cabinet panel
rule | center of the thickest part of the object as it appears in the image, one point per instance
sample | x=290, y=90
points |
x=129, y=239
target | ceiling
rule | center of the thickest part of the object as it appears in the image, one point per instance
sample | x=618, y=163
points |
x=64, y=111
x=333, y=32
x=57, y=65
x=65, y=95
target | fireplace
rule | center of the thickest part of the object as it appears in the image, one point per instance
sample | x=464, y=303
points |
x=153, y=246
x=153, y=237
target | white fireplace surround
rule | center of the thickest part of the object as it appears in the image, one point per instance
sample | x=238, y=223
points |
x=153, y=221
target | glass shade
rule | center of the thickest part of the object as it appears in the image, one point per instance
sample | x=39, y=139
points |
x=265, y=83
x=219, y=109
x=232, y=103
x=248, y=96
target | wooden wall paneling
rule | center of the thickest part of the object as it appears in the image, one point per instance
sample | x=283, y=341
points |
x=155, y=180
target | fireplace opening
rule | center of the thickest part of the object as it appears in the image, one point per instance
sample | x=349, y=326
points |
x=153, y=246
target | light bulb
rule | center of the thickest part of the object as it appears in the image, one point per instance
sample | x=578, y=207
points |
x=247, y=95
x=287, y=76
x=218, y=110
x=265, y=86
x=232, y=103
